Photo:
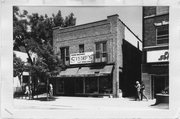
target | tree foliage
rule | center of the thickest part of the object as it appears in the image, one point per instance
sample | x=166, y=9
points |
x=35, y=33
x=18, y=66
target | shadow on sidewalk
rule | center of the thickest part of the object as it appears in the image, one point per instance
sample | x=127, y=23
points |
x=131, y=99
x=45, y=99
x=160, y=106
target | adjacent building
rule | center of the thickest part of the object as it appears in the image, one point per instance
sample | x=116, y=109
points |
x=20, y=81
x=98, y=59
x=155, y=62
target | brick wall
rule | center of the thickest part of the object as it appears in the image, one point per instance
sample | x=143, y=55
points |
x=87, y=34
x=149, y=10
x=149, y=31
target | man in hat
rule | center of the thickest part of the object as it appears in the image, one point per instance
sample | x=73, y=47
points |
x=138, y=87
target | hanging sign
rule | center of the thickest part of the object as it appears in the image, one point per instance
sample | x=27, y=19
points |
x=157, y=56
x=81, y=58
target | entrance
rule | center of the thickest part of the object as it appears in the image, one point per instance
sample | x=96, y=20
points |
x=159, y=84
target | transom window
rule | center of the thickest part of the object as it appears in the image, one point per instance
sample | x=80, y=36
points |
x=162, y=34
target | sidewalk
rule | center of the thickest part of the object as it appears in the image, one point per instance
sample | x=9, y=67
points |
x=87, y=107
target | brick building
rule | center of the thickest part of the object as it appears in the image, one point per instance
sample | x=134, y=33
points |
x=155, y=62
x=98, y=59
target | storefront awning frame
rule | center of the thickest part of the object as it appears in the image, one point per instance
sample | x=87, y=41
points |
x=86, y=72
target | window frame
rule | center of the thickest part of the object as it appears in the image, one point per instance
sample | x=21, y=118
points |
x=101, y=50
x=66, y=56
x=160, y=37
x=81, y=50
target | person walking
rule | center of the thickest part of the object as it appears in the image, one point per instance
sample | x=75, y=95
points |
x=138, y=87
x=142, y=91
x=27, y=92
x=50, y=90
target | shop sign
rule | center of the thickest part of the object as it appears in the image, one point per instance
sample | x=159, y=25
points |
x=157, y=56
x=81, y=58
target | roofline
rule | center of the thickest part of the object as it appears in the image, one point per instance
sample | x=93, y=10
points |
x=130, y=30
x=58, y=27
x=86, y=23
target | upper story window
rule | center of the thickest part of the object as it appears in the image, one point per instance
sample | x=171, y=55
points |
x=65, y=54
x=81, y=48
x=101, y=52
x=162, y=34
x=162, y=10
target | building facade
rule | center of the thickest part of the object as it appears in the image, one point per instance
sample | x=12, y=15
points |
x=98, y=59
x=155, y=62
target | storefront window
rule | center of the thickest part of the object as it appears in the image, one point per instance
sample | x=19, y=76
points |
x=160, y=84
x=60, y=86
x=105, y=85
x=91, y=85
x=79, y=85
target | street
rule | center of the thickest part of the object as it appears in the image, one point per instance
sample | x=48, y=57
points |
x=88, y=107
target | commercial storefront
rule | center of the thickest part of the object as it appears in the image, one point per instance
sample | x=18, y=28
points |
x=98, y=59
x=155, y=63
x=85, y=81
x=156, y=72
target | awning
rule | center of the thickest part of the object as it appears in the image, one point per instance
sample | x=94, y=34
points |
x=86, y=71
x=69, y=72
x=106, y=70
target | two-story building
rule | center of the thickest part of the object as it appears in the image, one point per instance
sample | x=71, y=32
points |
x=155, y=62
x=99, y=60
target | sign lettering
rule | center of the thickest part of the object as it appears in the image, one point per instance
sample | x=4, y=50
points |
x=165, y=56
x=81, y=58
x=157, y=56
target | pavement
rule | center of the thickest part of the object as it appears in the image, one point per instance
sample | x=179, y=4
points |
x=60, y=107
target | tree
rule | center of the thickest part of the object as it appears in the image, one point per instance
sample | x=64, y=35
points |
x=70, y=20
x=18, y=66
x=35, y=34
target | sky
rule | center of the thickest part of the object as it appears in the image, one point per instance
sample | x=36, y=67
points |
x=131, y=16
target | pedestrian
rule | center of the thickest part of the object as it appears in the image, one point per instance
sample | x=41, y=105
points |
x=142, y=91
x=27, y=91
x=50, y=90
x=138, y=87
